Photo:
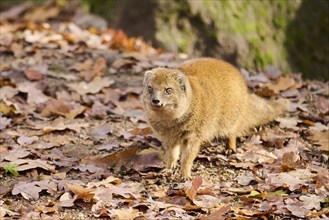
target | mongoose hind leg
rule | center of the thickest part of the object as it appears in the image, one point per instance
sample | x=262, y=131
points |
x=231, y=144
x=189, y=152
x=172, y=155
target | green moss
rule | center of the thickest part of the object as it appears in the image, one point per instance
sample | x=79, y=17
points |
x=103, y=8
x=10, y=169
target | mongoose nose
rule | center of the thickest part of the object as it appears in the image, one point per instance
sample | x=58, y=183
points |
x=155, y=101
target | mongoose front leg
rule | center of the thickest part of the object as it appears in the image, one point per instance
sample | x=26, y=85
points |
x=172, y=155
x=189, y=152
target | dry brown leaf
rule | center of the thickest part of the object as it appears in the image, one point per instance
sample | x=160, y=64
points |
x=321, y=138
x=27, y=164
x=192, y=191
x=219, y=213
x=288, y=123
x=25, y=140
x=289, y=161
x=244, y=211
x=30, y=191
x=59, y=125
x=16, y=154
x=319, y=127
x=322, y=105
x=146, y=159
x=206, y=201
x=117, y=159
x=283, y=83
x=101, y=132
x=7, y=92
x=94, y=86
x=312, y=201
x=34, y=95
x=294, y=145
x=59, y=107
x=6, y=109
x=98, y=110
x=81, y=192
x=6, y=212
x=32, y=74
x=89, y=69
x=4, y=122
x=245, y=179
x=124, y=213
x=106, y=182
x=66, y=200
x=260, y=156
x=293, y=179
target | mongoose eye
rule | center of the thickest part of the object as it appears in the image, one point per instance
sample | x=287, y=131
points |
x=168, y=91
x=149, y=89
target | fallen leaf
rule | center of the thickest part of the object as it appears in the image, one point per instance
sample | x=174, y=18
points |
x=322, y=105
x=283, y=83
x=6, y=109
x=191, y=192
x=4, y=122
x=81, y=192
x=24, y=140
x=146, y=159
x=117, y=159
x=98, y=110
x=293, y=179
x=288, y=123
x=321, y=138
x=7, y=92
x=219, y=213
x=32, y=74
x=101, y=132
x=124, y=213
x=30, y=191
x=206, y=201
x=319, y=127
x=296, y=208
x=66, y=200
x=60, y=124
x=16, y=154
x=34, y=95
x=27, y=164
x=88, y=69
x=289, y=161
x=311, y=201
x=245, y=179
x=94, y=86
x=261, y=156
x=6, y=212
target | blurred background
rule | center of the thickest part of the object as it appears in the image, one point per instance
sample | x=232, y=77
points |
x=292, y=35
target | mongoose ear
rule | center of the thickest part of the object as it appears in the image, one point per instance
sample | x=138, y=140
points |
x=147, y=75
x=182, y=80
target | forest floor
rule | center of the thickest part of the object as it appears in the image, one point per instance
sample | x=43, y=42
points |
x=74, y=143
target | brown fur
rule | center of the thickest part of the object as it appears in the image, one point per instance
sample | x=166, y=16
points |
x=209, y=99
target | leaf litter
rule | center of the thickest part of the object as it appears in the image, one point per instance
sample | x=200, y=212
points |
x=73, y=128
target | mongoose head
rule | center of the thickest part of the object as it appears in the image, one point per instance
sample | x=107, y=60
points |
x=167, y=93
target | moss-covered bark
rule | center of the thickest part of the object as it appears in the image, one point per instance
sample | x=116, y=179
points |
x=247, y=33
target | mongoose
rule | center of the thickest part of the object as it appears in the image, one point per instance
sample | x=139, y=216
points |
x=202, y=99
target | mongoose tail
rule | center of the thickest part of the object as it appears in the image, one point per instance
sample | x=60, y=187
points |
x=262, y=111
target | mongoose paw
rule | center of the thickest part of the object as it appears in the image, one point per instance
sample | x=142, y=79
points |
x=175, y=171
x=228, y=152
x=185, y=179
